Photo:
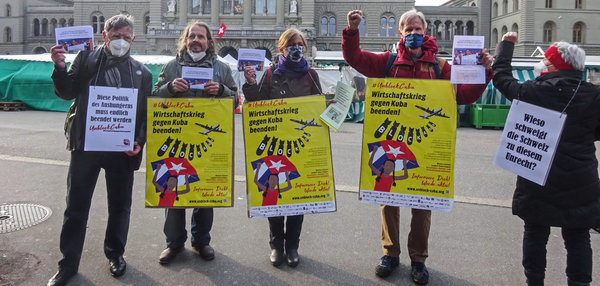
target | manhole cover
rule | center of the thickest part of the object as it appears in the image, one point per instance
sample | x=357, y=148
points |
x=15, y=217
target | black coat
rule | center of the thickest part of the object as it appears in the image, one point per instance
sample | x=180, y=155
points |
x=571, y=196
x=74, y=84
x=274, y=86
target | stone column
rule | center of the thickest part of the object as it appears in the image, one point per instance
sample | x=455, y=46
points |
x=183, y=12
x=247, y=23
x=214, y=13
x=280, y=13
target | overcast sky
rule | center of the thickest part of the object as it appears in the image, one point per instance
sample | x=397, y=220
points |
x=429, y=2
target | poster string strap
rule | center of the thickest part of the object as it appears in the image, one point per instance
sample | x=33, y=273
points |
x=568, y=103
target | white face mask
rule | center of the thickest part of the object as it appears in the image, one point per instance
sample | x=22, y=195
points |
x=118, y=48
x=196, y=56
x=539, y=68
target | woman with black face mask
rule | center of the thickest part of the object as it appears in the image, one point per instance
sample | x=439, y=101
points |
x=289, y=76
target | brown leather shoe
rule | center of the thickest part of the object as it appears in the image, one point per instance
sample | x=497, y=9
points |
x=205, y=251
x=168, y=254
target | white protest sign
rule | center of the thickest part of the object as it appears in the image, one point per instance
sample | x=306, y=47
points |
x=529, y=141
x=196, y=77
x=110, y=122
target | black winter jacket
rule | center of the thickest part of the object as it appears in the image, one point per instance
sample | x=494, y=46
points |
x=571, y=196
x=74, y=84
x=279, y=86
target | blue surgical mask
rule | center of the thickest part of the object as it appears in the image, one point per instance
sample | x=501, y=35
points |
x=413, y=41
x=295, y=53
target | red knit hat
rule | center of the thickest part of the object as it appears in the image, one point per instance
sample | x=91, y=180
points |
x=556, y=59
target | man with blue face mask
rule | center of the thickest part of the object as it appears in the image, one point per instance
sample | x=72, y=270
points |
x=416, y=59
x=111, y=68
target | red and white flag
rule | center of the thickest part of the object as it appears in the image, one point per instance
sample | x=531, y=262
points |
x=221, y=31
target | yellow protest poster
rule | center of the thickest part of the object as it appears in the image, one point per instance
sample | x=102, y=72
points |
x=288, y=157
x=408, y=144
x=189, y=152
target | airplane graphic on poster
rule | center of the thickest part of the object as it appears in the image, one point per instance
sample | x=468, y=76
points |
x=431, y=112
x=304, y=124
x=209, y=128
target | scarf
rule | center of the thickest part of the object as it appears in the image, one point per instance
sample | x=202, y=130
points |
x=291, y=69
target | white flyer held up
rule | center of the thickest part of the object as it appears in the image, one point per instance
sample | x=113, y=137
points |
x=76, y=38
x=529, y=141
x=466, y=60
x=110, y=122
x=196, y=77
x=254, y=58
x=335, y=114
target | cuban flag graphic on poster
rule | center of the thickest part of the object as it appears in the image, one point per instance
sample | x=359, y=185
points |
x=274, y=164
x=392, y=150
x=174, y=167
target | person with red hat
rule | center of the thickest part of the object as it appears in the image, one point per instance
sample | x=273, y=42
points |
x=570, y=199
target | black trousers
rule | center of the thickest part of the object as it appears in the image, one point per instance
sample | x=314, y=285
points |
x=288, y=238
x=174, y=229
x=579, y=254
x=83, y=174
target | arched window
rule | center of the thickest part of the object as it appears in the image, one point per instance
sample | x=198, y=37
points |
x=44, y=27
x=429, y=28
x=8, y=11
x=470, y=28
x=460, y=28
x=495, y=9
x=72, y=22
x=206, y=7
x=515, y=28
x=494, y=37
x=361, y=26
x=62, y=22
x=195, y=6
x=233, y=7
x=437, y=29
x=7, y=35
x=332, y=27
x=387, y=26
x=578, y=32
x=578, y=4
x=328, y=26
x=324, y=22
x=548, y=32
x=53, y=25
x=448, y=30
x=97, y=23
x=504, y=30
x=504, y=7
x=516, y=5
x=548, y=3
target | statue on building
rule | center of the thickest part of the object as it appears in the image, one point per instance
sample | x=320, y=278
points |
x=171, y=6
x=293, y=7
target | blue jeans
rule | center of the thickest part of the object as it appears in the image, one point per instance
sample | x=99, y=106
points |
x=174, y=229
x=579, y=254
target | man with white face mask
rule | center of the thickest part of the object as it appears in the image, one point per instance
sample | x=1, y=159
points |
x=109, y=66
x=196, y=48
